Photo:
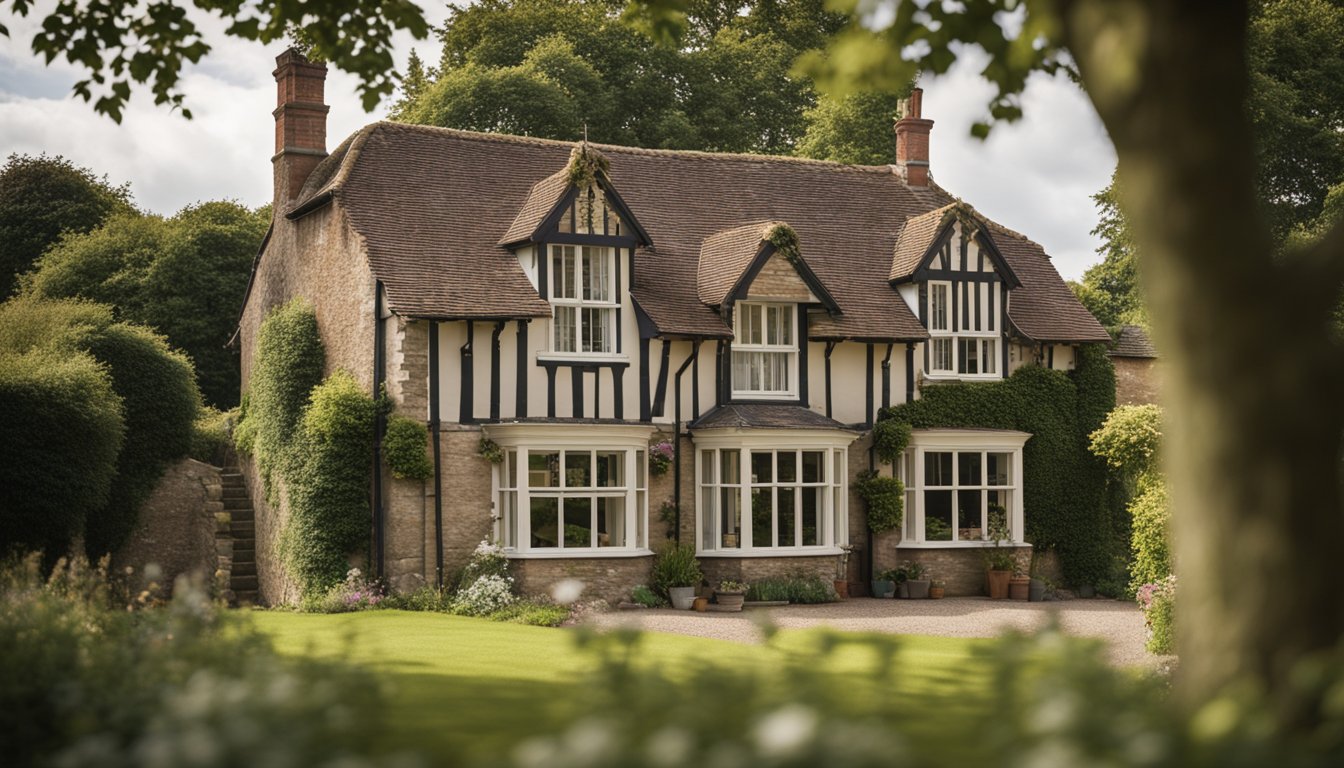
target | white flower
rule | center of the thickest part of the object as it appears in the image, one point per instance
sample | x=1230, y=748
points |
x=567, y=591
x=786, y=730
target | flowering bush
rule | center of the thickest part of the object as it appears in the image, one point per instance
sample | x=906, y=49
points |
x=484, y=595
x=1158, y=601
x=354, y=594
x=660, y=457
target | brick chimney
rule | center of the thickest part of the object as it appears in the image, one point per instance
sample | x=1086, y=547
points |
x=300, y=124
x=912, y=141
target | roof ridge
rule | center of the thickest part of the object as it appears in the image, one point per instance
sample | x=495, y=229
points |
x=509, y=138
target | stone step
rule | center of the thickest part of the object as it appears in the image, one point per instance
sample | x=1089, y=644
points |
x=235, y=492
x=232, y=504
x=243, y=569
x=245, y=597
x=244, y=529
x=239, y=583
x=231, y=476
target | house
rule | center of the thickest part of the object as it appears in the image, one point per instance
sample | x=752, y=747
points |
x=1137, y=379
x=578, y=304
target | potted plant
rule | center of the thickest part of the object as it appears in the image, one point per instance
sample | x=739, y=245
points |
x=936, y=590
x=1019, y=587
x=916, y=585
x=999, y=562
x=884, y=584
x=676, y=573
x=841, y=568
x=730, y=595
x=902, y=578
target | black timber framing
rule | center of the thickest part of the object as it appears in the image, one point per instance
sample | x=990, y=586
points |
x=868, y=382
x=550, y=391
x=466, y=400
x=803, y=344
x=660, y=395
x=520, y=377
x=645, y=407
x=618, y=392
x=437, y=448
x=909, y=373
x=494, y=370
x=886, y=378
x=830, y=347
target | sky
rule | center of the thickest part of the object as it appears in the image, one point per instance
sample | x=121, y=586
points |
x=1035, y=176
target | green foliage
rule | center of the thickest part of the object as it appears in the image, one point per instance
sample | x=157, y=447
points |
x=155, y=385
x=61, y=429
x=805, y=589
x=675, y=566
x=853, y=128
x=428, y=599
x=1129, y=439
x=885, y=499
x=85, y=681
x=642, y=595
x=210, y=435
x=328, y=484
x=404, y=444
x=122, y=44
x=1110, y=289
x=288, y=365
x=890, y=438
x=42, y=198
x=532, y=612
x=183, y=276
x=1151, y=542
x=1063, y=485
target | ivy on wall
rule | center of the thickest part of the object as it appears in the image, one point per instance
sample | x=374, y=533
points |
x=404, y=448
x=1064, y=485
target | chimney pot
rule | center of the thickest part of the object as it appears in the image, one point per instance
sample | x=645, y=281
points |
x=300, y=124
x=912, y=141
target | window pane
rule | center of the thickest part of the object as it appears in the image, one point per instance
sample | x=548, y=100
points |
x=597, y=322
x=611, y=469
x=969, y=359
x=641, y=512
x=938, y=515
x=761, y=471
x=564, y=272
x=968, y=468
x=566, y=335
x=812, y=509
x=639, y=469
x=997, y=466
x=772, y=323
x=741, y=370
x=730, y=507
x=762, y=516
x=578, y=469
x=730, y=470
x=787, y=463
x=544, y=515
x=998, y=514
x=813, y=464
x=510, y=515
x=755, y=333
x=543, y=470
x=969, y=526
x=611, y=521
x=707, y=532
x=578, y=522
x=706, y=467
x=989, y=349
x=787, y=522
x=508, y=473
x=940, y=357
x=786, y=324
x=937, y=468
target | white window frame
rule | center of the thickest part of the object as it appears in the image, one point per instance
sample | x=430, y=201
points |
x=513, y=499
x=833, y=533
x=577, y=303
x=945, y=343
x=955, y=441
x=790, y=350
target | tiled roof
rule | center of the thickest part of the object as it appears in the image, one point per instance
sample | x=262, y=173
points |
x=540, y=201
x=764, y=416
x=1043, y=308
x=433, y=204
x=1133, y=341
x=914, y=241
x=724, y=256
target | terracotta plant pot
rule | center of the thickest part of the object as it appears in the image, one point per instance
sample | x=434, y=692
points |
x=1019, y=588
x=998, y=584
x=730, y=601
x=936, y=593
x=842, y=589
x=701, y=604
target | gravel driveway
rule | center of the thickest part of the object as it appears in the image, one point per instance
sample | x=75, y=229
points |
x=1120, y=624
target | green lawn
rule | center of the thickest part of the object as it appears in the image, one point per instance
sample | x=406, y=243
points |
x=460, y=684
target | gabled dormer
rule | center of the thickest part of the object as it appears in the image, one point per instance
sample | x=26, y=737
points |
x=948, y=269
x=756, y=277
x=575, y=238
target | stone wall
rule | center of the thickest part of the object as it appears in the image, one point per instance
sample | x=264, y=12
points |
x=609, y=579
x=749, y=569
x=961, y=570
x=1137, y=380
x=177, y=527
x=468, y=509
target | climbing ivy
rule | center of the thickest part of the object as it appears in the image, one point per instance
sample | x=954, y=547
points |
x=585, y=163
x=1064, y=486
x=404, y=448
x=885, y=500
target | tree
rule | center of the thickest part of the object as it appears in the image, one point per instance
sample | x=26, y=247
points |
x=43, y=197
x=183, y=276
x=854, y=128
x=1254, y=457
x=122, y=44
x=1110, y=289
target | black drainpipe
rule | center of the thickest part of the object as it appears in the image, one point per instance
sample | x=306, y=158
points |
x=676, y=430
x=872, y=466
x=438, y=450
x=379, y=424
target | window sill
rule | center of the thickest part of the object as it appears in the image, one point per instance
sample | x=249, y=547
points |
x=609, y=553
x=782, y=552
x=959, y=544
x=565, y=357
x=937, y=377
x=784, y=397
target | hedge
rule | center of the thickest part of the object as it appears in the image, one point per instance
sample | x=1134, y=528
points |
x=289, y=362
x=1064, y=486
x=328, y=485
x=60, y=432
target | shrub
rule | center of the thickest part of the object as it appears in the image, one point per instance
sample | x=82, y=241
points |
x=675, y=566
x=356, y=593
x=484, y=596
x=1158, y=601
x=60, y=432
x=288, y=365
x=885, y=499
x=1129, y=439
x=426, y=598
x=890, y=438
x=488, y=559
x=1151, y=511
x=802, y=588
x=532, y=612
x=328, y=485
x=210, y=435
x=404, y=448
x=642, y=595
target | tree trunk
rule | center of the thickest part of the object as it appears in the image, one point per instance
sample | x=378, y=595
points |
x=1253, y=387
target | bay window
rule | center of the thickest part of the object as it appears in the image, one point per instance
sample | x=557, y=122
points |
x=584, y=299
x=963, y=487
x=765, y=350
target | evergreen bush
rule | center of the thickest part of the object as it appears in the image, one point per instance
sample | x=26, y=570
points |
x=328, y=485
x=404, y=445
x=675, y=566
x=288, y=365
x=1151, y=512
x=210, y=435
x=884, y=498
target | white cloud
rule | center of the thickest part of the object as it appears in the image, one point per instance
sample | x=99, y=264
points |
x=1034, y=176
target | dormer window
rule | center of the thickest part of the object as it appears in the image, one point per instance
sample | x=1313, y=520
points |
x=583, y=299
x=969, y=350
x=765, y=350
